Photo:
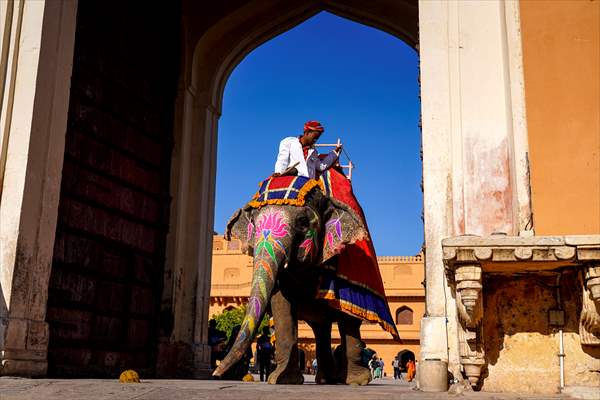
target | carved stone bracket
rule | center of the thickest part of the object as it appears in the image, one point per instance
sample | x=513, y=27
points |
x=589, y=322
x=472, y=356
x=469, y=303
x=468, y=293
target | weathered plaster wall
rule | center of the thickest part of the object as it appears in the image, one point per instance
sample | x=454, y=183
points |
x=561, y=56
x=521, y=347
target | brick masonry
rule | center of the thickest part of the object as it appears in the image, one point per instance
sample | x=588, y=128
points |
x=106, y=280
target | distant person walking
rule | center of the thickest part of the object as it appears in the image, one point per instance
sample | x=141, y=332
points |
x=396, y=366
x=217, y=340
x=264, y=350
x=410, y=370
x=373, y=365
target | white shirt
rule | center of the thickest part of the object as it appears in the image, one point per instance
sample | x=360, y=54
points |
x=290, y=153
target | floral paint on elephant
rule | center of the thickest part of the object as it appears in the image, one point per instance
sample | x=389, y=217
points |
x=269, y=230
x=333, y=235
x=269, y=250
x=309, y=245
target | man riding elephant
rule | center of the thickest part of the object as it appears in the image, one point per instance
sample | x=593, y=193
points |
x=297, y=155
x=313, y=260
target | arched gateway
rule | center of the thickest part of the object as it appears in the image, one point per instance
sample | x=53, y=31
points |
x=149, y=228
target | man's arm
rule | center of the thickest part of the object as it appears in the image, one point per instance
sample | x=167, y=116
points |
x=328, y=161
x=283, y=157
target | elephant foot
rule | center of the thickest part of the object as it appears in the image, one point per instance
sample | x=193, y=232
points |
x=322, y=379
x=358, y=375
x=286, y=376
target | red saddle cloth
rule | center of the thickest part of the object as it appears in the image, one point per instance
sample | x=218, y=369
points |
x=358, y=287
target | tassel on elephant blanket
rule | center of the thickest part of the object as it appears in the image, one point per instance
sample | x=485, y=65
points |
x=355, y=286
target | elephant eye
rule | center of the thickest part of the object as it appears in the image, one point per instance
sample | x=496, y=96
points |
x=302, y=220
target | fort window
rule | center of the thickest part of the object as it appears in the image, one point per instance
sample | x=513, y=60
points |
x=404, y=316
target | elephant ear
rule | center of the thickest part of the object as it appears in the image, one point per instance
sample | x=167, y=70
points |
x=343, y=226
x=241, y=226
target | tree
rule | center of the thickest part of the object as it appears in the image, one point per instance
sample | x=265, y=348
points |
x=228, y=319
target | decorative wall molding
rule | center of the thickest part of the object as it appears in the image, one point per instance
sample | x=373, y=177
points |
x=501, y=249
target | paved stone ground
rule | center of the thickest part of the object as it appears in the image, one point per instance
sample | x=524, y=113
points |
x=155, y=389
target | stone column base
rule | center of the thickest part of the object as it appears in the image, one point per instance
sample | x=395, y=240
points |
x=202, y=369
x=183, y=361
x=432, y=375
x=24, y=368
x=23, y=347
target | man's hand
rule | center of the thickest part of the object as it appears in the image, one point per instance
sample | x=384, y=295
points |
x=338, y=149
x=275, y=174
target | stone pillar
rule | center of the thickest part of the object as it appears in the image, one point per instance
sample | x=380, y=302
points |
x=37, y=56
x=209, y=173
x=475, y=179
x=189, y=244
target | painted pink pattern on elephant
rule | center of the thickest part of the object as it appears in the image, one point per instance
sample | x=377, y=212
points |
x=309, y=245
x=269, y=229
x=333, y=226
x=271, y=226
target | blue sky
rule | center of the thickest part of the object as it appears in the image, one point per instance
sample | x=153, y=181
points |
x=361, y=84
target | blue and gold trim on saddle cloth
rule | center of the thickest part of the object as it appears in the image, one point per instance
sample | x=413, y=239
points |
x=281, y=190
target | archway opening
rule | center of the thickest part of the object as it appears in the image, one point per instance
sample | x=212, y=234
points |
x=404, y=356
x=363, y=87
x=269, y=96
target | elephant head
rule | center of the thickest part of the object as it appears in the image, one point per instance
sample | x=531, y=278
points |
x=286, y=236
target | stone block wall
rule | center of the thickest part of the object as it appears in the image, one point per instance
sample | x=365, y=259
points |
x=107, y=272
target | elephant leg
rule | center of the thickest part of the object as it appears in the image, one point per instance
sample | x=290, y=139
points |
x=325, y=363
x=355, y=372
x=286, y=346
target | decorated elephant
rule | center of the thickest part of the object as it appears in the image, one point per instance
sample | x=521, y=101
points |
x=313, y=261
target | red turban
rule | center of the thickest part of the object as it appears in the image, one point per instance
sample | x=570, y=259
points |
x=313, y=126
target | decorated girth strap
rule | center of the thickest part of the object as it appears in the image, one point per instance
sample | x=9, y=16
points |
x=281, y=190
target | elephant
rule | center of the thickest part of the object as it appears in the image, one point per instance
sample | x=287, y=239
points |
x=294, y=248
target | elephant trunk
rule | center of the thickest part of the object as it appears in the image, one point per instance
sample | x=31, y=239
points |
x=263, y=280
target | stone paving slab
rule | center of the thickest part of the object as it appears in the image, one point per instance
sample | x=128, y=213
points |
x=156, y=389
